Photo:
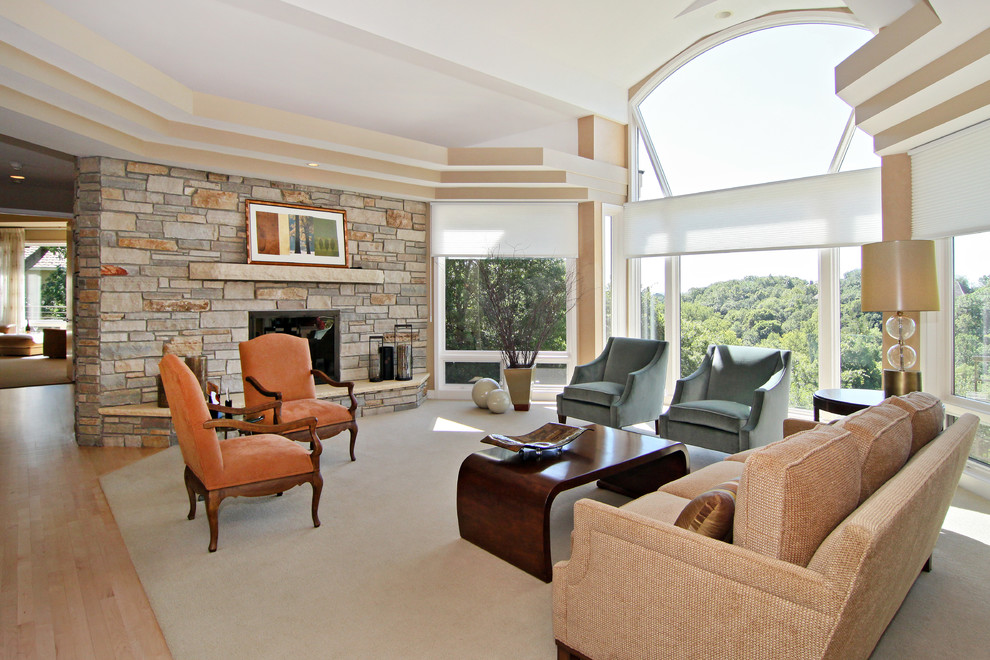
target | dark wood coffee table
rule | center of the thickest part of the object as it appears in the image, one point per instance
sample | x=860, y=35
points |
x=504, y=498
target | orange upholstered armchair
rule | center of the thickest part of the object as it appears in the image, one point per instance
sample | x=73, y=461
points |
x=278, y=367
x=259, y=464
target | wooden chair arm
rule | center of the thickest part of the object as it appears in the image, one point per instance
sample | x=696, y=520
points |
x=253, y=410
x=261, y=389
x=348, y=384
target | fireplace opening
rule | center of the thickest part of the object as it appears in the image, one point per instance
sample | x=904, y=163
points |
x=321, y=327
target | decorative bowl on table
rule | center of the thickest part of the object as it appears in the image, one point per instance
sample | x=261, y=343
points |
x=549, y=437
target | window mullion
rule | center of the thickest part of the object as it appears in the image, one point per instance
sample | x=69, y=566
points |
x=843, y=147
x=651, y=151
x=829, y=327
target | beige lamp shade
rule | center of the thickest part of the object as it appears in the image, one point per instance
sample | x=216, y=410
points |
x=899, y=276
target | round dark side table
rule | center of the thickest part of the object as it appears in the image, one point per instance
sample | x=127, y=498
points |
x=845, y=401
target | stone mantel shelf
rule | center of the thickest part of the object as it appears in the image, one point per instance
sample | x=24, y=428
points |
x=323, y=391
x=274, y=273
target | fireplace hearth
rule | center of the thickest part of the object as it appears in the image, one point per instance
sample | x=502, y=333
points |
x=321, y=327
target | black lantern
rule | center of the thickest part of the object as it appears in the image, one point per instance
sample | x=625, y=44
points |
x=403, y=351
x=375, y=358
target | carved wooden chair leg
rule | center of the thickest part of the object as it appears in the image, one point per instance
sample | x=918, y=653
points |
x=192, y=494
x=317, y=490
x=212, y=515
x=656, y=425
x=354, y=432
x=562, y=419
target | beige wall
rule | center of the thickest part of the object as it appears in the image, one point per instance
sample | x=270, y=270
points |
x=895, y=190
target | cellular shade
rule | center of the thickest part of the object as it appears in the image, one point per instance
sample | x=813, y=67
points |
x=522, y=230
x=819, y=211
x=950, y=184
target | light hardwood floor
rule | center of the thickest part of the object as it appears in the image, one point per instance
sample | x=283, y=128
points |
x=67, y=585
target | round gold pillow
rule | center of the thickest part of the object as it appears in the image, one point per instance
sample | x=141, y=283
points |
x=711, y=513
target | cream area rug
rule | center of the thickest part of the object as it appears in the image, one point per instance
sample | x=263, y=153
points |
x=387, y=575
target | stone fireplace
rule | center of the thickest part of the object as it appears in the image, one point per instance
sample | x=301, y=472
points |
x=162, y=254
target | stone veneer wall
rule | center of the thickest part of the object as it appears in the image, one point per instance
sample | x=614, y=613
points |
x=139, y=226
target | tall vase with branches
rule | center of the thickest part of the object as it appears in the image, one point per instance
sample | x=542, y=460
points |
x=524, y=302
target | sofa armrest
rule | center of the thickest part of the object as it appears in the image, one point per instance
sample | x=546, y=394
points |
x=679, y=593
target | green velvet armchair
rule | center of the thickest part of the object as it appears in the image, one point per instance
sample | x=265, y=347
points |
x=737, y=399
x=622, y=386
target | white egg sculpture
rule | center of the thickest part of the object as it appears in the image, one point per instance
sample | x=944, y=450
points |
x=480, y=391
x=499, y=401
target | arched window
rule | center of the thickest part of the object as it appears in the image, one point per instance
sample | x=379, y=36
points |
x=756, y=108
x=753, y=105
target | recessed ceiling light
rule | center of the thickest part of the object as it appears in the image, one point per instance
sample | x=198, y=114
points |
x=723, y=14
x=313, y=164
x=19, y=177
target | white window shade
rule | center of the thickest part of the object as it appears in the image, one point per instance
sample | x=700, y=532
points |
x=820, y=211
x=520, y=230
x=950, y=185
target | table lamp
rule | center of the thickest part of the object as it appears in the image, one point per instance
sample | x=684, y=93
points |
x=898, y=277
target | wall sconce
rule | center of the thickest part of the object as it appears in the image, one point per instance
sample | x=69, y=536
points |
x=898, y=277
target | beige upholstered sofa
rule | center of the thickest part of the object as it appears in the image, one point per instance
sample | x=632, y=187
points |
x=831, y=527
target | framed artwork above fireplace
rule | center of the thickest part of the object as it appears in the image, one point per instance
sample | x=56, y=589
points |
x=295, y=235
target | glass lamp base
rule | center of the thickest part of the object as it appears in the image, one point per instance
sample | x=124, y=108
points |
x=898, y=383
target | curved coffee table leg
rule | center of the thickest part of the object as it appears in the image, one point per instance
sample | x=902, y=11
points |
x=507, y=516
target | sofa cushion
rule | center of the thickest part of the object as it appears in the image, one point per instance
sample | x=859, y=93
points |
x=664, y=507
x=723, y=415
x=927, y=416
x=711, y=513
x=883, y=437
x=602, y=393
x=793, y=493
x=697, y=482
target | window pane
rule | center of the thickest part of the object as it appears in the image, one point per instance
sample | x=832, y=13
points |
x=550, y=374
x=971, y=337
x=649, y=184
x=753, y=299
x=860, y=333
x=464, y=373
x=981, y=444
x=468, y=328
x=739, y=113
x=651, y=298
x=44, y=286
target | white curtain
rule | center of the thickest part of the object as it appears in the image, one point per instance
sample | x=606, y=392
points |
x=12, y=277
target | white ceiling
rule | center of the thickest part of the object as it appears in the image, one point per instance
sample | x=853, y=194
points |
x=445, y=72
x=391, y=80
